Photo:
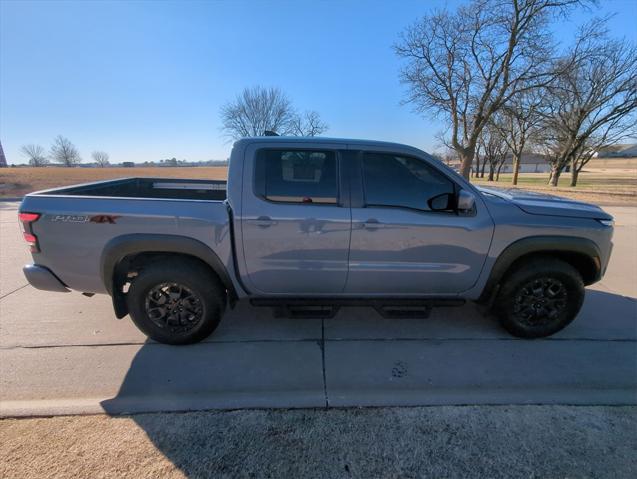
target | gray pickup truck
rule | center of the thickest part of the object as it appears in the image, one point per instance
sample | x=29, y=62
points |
x=307, y=225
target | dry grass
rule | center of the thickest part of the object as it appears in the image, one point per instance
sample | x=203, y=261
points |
x=609, y=187
x=447, y=441
x=95, y=446
x=602, y=186
x=616, y=181
x=20, y=181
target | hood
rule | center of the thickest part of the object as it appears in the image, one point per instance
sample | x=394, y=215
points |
x=543, y=204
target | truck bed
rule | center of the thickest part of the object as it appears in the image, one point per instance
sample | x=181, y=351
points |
x=166, y=188
x=78, y=224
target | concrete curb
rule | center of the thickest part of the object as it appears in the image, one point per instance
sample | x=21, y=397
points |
x=144, y=404
x=313, y=399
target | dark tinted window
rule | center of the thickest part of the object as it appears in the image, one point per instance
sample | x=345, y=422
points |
x=391, y=180
x=298, y=176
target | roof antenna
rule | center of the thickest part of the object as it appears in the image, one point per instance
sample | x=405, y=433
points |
x=270, y=133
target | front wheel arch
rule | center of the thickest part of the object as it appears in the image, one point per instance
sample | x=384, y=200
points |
x=581, y=253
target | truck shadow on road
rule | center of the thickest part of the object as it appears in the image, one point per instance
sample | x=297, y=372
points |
x=590, y=362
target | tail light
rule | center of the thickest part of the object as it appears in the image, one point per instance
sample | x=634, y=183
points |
x=27, y=219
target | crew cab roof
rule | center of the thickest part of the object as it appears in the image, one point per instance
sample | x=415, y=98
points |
x=348, y=143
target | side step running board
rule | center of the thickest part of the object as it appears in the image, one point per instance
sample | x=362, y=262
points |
x=304, y=312
x=399, y=312
x=394, y=308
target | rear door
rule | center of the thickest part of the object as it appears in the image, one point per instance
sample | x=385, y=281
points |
x=399, y=244
x=295, y=221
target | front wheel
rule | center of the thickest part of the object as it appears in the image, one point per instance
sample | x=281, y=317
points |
x=540, y=298
x=176, y=301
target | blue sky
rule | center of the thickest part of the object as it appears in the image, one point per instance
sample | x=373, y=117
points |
x=145, y=80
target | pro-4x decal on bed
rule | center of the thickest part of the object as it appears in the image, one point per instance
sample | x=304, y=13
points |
x=70, y=218
x=110, y=219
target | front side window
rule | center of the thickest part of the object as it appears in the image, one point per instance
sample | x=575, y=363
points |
x=297, y=176
x=392, y=180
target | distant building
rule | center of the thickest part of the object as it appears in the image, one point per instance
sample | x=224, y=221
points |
x=529, y=163
x=617, y=151
x=3, y=159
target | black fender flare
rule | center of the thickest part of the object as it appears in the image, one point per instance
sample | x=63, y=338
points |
x=120, y=247
x=569, y=245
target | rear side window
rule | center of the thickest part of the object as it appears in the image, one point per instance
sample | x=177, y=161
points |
x=391, y=180
x=297, y=176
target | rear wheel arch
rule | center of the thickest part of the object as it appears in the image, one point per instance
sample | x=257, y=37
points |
x=125, y=253
x=581, y=253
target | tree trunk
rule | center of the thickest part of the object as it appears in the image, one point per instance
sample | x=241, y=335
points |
x=516, y=169
x=555, y=176
x=574, y=174
x=497, y=174
x=491, y=172
x=484, y=165
x=466, y=159
x=477, y=170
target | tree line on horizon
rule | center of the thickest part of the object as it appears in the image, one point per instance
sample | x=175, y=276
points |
x=62, y=151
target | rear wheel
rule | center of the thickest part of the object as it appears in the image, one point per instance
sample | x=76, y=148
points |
x=539, y=298
x=176, y=301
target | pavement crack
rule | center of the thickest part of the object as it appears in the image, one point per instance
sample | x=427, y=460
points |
x=11, y=292
x=133, y=343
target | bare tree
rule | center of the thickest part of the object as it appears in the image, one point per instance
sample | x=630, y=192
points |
x=35, y=154
x=100, y=158
x=308, y=124
x=494, y=149
x=517, y=122
x=592, y=103
x=256, y=110
x=464, y=66
x=64, y=152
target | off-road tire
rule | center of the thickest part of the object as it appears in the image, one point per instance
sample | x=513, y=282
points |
x=539, y=297
x=203, y=300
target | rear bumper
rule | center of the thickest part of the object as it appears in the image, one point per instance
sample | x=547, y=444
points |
x=41, y=277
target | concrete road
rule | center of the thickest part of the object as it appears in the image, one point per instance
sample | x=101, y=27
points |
x=65, y=353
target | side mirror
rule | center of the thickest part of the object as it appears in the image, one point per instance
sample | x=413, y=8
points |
x=442, y=202
x=466, y=202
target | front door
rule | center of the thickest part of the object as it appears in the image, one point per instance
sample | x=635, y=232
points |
x=400, y=244
x=295, y=230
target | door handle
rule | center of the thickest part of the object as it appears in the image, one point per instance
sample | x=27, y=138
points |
x=263, y=222
x=372, y=224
